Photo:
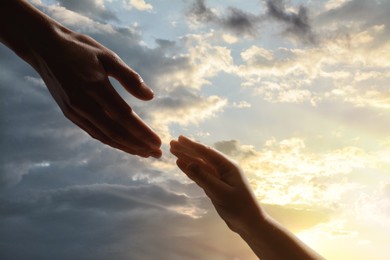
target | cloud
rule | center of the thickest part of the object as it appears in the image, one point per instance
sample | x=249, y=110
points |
x=90, y=8
x=140, y=5
x=235, y=20
x=332, y=70
x=374, y=208
x=287, y=173
x=352, y=16
x=184, y=108
x=297, y=22
x=200, y=61
x=74, y=19
x=235, y=149
x=243, y=23
x=242, y=104
x=334, y=4
x=102, y=221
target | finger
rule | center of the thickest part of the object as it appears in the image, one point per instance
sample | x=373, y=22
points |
x=220, y=161
x=129, y=79
x=213, y=187
x=146, y=134
x=180, y=148
x=95, y=133
x=189, y=159
x=92, y=112
x=106, y=95
x=122, y=113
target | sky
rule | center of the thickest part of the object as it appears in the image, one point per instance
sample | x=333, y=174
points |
x=297, y=92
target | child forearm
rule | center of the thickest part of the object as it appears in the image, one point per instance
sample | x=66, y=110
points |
x=269, y=240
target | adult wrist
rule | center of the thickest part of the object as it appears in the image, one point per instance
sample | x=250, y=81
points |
x=31, y=32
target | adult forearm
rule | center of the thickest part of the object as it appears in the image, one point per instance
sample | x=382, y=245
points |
x=270, y=240
x=25, y=29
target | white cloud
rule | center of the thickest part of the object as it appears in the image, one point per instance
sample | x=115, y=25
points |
x=288, y=173
x=91, y=8
x=228, y=38
x=204, y=61
x=333, y=4
x=242, y=104
x=349, y=69
x=374, y=208
x=140, y=5
x=184, y=109
x=75, y=20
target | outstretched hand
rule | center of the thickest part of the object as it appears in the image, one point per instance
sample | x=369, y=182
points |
x=75, y=69
x=76, y=72
x=223, y=182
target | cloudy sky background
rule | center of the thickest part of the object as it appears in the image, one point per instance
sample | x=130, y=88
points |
x=296, y=91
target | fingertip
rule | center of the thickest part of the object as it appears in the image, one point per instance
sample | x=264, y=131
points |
x=174, y=144
x=156, y=141
x=183, y=138
x=147, y=92
x=129, y=79
x=156, y=154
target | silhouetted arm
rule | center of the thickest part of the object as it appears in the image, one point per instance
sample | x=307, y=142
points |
x=224, y=183
x=75, y=69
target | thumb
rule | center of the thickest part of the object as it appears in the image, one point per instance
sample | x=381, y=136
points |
x=129, y=79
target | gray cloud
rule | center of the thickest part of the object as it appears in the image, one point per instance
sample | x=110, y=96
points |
x=106, y=221
x=235, y=20
x=244, y=23
x=233, y=148
x=297, y=23
x=201, y=12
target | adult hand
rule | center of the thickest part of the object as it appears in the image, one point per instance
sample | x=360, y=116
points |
x=76, y=71
x=75, y=68
x=223, y=182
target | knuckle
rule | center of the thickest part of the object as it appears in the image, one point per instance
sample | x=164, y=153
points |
x=113, y=55
x=84, y=38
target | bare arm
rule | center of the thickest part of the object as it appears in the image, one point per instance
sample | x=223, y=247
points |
x=224, y=183
x=75, y=69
